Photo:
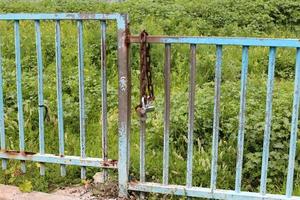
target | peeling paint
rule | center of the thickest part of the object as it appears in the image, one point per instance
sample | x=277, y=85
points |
x=122, y=129
x=123, y=83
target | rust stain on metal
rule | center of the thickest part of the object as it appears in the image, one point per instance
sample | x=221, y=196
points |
x=127, y=35
x=59, y=155
x=110, y=163
x=14, y=153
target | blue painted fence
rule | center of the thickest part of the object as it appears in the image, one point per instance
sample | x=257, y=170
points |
x=62, y=159
x=124, y=103
x=213, y=192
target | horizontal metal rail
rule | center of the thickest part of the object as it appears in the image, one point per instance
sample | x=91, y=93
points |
x=61, y=16
x=204, y=192
x=55, y=159
x=239, y=41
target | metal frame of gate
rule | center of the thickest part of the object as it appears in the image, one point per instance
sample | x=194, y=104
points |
x=213, y=192
x=124, y=104
x=124, y=97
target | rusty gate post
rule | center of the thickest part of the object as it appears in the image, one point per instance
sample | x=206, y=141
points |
x=124, y=94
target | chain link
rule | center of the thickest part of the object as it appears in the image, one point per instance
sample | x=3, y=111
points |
x=146, y=86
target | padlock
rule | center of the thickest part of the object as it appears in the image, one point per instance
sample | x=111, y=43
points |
x=147, y=107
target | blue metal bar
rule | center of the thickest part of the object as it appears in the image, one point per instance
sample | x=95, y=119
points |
x=204, y=192
x=142, y=152
x=167, y=72
x=215, y=141
x=239, y=41
x=192, y=86
x=124, y=106
x=41, y=97
x=81, y=94
x=56, y=159
x=19, y=91
x=59, y=16
x=142, y=120
x=294, y=128
x=2, y=128
x=59, y=95
x=265, y=158
x=104, y=95
x=240, y=146
x=143, y=123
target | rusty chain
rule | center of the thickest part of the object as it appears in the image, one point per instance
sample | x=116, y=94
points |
x=146, y=86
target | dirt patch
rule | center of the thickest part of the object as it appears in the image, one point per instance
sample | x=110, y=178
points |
x=91, y=191
x=108, y=190
x=78, y=191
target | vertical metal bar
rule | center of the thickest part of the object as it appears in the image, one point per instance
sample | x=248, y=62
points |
x=142, y=149
x=189, y=174
x=142, y=152
x=124, y=105
x=19, y=91
x=127, y=31
x=215, y=141
x=240, y=146
x=59, y=95
x=167, y=73
x=104, y=96
x=268, y=119
x=2, y=128
x=81, y=94
x=40, y=95
x=294, y=128
x=142, y=137
x=143, y=118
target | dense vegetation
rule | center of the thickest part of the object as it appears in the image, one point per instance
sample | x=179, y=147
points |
x=260, y=18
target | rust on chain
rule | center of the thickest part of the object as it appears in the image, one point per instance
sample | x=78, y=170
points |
x=146, y=86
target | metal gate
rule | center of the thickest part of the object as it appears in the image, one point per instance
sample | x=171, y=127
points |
x=213, y=192
x=124, y=97
x=124, y=105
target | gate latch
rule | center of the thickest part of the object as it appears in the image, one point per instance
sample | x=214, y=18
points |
x=146, y=87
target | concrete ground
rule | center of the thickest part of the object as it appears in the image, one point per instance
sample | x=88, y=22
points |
x=8, y=192
x=98, y=189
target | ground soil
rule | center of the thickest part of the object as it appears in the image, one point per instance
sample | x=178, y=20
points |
x=91, y=191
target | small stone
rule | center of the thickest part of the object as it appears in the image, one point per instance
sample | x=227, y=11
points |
x=99, y=178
